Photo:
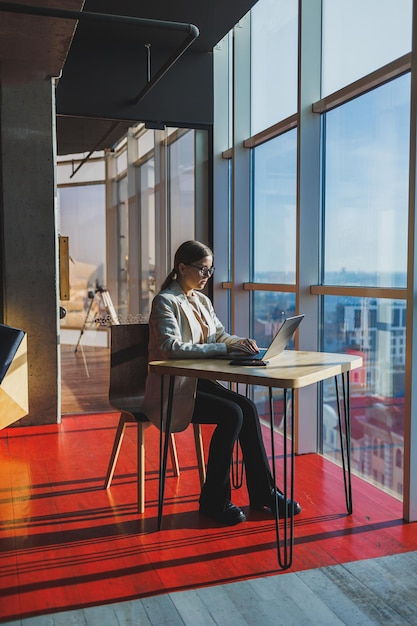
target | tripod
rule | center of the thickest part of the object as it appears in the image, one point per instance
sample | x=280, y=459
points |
x=97, y=297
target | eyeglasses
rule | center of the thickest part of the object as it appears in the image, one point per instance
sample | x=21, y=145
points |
x=205, y=272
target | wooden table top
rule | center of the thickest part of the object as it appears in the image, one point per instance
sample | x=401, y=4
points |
x=291, y=369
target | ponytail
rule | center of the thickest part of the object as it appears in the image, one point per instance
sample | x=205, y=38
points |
x=168, y=280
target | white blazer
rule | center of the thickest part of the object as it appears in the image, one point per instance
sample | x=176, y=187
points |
x=174, y=333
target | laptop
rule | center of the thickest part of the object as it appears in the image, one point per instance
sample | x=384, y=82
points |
x=278, y=344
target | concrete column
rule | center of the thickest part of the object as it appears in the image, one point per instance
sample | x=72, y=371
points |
x=29, y=237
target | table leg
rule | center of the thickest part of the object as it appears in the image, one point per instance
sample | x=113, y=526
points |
x=238, y=464
x=343, y=413
x=163, y=453
x=284, y=547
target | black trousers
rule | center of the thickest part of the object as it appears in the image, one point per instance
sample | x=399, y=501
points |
x=236, y=417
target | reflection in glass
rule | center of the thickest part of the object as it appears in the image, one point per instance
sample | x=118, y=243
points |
x=274, y=209
x=375, y=330
x=366, y=188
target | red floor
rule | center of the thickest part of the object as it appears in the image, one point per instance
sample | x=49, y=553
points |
x=68, y=543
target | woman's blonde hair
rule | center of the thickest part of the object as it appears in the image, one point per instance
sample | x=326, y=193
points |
x=188, y=252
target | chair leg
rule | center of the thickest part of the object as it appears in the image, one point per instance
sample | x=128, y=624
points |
x=141, y=464
x=174, y=455
x=124, y=419
x=141, y=467
x=199, y=448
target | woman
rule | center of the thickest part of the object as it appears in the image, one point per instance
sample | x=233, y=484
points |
x=183, y=325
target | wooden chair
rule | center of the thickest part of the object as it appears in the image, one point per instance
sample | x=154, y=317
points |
x=128, y=372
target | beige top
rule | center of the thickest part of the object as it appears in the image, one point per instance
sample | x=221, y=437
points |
x=193, y=300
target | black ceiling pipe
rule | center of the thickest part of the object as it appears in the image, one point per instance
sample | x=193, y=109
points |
x=11, y=7
x=191, y=30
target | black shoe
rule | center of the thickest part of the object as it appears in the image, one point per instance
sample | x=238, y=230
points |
x=230, y=515
x=293, y=508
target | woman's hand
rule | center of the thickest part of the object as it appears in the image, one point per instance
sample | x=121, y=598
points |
x=246, y=346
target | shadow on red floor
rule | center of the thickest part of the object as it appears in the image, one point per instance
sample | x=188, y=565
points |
x=66, y=542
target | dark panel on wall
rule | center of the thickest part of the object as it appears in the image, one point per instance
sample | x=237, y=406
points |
x=183, y=96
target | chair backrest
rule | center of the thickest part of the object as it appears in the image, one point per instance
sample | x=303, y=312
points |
x=128, y=364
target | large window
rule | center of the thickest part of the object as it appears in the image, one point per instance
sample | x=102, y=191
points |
x=366, y=188
x=274, y=209
x=274, y=43
x=365, y=245
x=326, y=231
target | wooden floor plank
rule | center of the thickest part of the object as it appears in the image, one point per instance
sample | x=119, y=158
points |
x=347, y=596
x=301, y=605
x=312, y=597
x=85, y=376
x=393, y=581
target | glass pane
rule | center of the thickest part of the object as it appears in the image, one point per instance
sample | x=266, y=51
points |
x=121, y=162
x=147, y=243
x=274, y=49
x=230, y=85
x=123, y=244
x=91, y=170
x=360, y=37
x=229, y=218
x=374, y=329
x=274, y=209
x=268, y=312
x=145, y=143
x=366, y=188
x=270, y=308
x=181, y=190
x=82, y=216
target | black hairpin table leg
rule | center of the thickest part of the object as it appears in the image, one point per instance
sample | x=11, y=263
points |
x=284, y=546
x=343, y=413
x=164, y=435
